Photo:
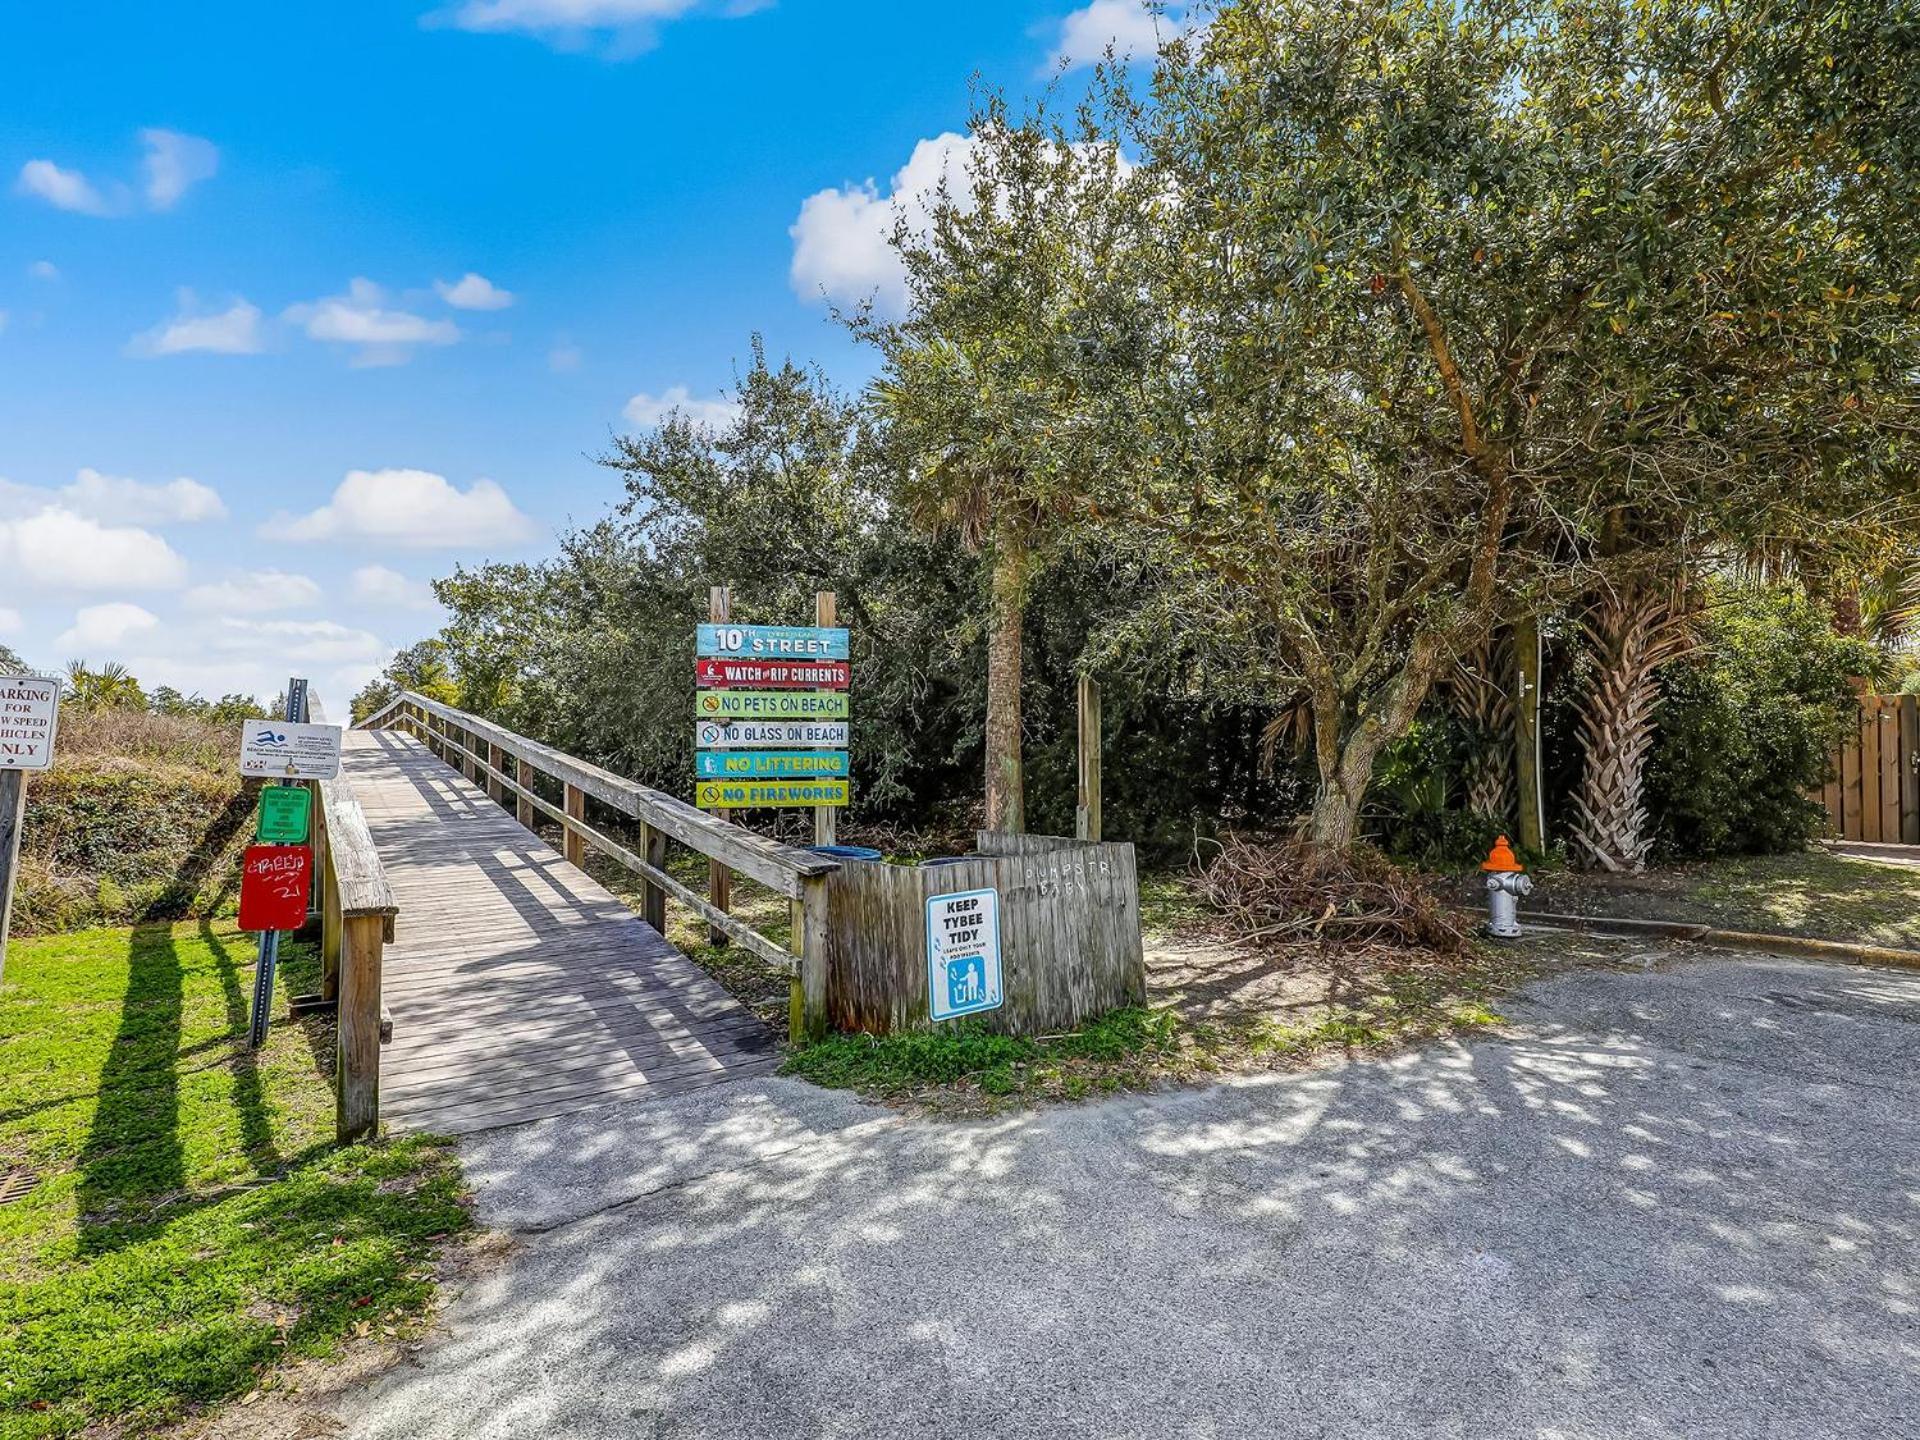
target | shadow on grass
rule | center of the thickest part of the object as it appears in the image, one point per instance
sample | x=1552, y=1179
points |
x=133, y=1153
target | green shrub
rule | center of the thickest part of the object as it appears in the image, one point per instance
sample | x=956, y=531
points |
x=1749, y=725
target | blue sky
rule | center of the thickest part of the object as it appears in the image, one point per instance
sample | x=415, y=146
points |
x=304, y=304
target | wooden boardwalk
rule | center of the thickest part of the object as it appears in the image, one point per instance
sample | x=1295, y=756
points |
x=520, y=988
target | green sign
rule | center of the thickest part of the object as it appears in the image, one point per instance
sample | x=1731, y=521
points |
x=286, y=811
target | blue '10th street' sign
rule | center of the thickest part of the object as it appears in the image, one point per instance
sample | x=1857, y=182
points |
x=772, y=642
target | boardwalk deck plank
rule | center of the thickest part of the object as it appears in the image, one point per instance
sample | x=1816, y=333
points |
x=519, y=987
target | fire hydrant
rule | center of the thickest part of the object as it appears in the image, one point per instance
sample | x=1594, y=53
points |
x=1507, y=881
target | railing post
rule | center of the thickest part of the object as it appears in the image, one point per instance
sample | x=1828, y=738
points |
x=807, y=997
x=357, y=1068
x=523, y=807
x=653, y=900
x=497, y=758
x=574, y=844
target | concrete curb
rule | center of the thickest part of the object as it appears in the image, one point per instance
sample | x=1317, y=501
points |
x=1795, y=945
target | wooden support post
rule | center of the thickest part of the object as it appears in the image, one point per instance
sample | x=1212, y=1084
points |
x=467, y=763
x=13, y=818
x=826, y=822
x=1526, y=734
x=653, y=899
x=357, y=1071
x=807, y=996
x=523, y=809
x=574, y=846
x=497, y=758
x=332, y=937
x=719, y=877
x=1086, y=815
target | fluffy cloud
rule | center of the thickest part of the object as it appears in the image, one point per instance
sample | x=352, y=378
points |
x=174, y=164
x=377, y=585
x=116, y=499
x=11, y=621
x=57, y=549
x=113, y=497
x=629, y=27
x=413, y=508
x=1129, y=26
x=62, y=189
x=296, y=642
x=647, y=410
x=362, y=317
x=473, y=292
x=233, y=331
x=255, y=592
x=106, y=627
x=840, y=247
x=564, y=358
x=44, y=270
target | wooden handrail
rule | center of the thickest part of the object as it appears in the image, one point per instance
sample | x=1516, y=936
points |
x=357, y=916
x=800, y=875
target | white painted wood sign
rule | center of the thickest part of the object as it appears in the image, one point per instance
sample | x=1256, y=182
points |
x=29, y=716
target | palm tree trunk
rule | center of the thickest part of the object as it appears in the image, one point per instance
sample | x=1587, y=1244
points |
x=1481, y=696
x=1631, y=633
x=1006, y=787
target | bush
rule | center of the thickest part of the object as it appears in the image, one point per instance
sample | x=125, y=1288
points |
x=1749, y=726
x=143, y=817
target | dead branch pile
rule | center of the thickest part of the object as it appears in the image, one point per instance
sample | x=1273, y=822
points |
x=1288, y=891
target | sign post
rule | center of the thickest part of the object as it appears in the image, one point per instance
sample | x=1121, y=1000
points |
x=29, y=716
x=277, y=879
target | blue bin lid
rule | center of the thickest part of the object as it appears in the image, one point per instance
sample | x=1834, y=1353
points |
x=846, y=852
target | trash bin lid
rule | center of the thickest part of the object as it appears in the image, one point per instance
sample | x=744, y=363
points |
x=846, y=852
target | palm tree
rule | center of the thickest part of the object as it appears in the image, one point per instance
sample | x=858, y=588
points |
x=108, y=688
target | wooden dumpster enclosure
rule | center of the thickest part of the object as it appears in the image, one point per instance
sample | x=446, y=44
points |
x=1069, y=934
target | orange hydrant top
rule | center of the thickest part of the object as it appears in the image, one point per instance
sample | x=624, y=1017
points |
x=1503, y=861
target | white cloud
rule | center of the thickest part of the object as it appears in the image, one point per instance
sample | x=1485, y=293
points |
x=564, y=358
x=840, y=241
x=296, y=642
x=113, y=497
x=630, y=26
x=63, y=189
x=413, y=508
x=1130, y=26
x=362, y=317
x=106, y=627
x=233, y=331
x=174, y=164
x=11, y=621
x=44, y=270
x=377, y=585
x=56, y=549
x=647, y=410
x=255, y=592
x=473, y=292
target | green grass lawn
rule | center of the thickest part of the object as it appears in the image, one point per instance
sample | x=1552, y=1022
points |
x=192, y=1222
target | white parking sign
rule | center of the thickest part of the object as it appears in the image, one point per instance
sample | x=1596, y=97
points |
x=29, y=713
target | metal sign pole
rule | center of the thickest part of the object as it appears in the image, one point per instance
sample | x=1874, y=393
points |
x=296, y=713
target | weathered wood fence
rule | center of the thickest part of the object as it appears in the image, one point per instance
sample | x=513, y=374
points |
x=1069, y=934
x=482, y=750
x=1875, y=793
x=357, y=915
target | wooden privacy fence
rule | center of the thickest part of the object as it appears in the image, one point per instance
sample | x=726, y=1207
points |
x=357, y=913
x=1069, y=934
x=1875, y=793
x=482, y=751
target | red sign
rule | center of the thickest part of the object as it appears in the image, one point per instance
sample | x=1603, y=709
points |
x=772, y=675
x=274, y=884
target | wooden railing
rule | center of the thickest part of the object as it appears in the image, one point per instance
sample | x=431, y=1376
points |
x=482, y=749
x=357, y=913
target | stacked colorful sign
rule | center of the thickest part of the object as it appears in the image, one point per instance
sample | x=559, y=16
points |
x=771, y=716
